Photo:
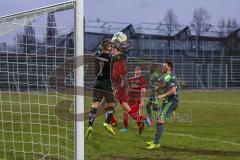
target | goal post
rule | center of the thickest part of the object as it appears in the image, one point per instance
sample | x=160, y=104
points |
x=38, y=111
x=79, y=122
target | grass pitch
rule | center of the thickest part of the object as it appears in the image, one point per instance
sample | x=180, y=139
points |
x=207, y=127
x=30, y=129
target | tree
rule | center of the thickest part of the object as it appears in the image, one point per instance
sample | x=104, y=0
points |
x=229, y=39
x=200, y=23
x=222, y=33
x=227, y=26
x=27, y=40
x=170, y=19
x=231, y=25
x=51, y=28
x=51, y=33
x=222, y=28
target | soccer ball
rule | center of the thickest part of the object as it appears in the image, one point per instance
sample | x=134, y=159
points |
x=119, y=37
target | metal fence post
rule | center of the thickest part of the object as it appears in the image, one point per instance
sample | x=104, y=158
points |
x=192, y=74
x=197, y=75
x=208, y=75
x=226, y=76
x=220, y=76
x=182, y=66
x=231, y=68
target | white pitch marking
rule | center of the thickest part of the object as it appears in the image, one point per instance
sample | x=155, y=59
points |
x=204, y=138
x=208, y=102
x=194, y=137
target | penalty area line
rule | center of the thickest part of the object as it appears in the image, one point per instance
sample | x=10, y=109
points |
x=208, y=102
x=191, y=136
x=203, y=138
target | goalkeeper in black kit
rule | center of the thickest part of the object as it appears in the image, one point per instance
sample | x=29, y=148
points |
x=102, y=89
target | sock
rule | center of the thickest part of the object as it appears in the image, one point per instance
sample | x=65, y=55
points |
x=109, y=116
x=91, y=116
x=125, y=119
x=135, y=115
x=149, y=111
x=114, y=121
x=160, y=129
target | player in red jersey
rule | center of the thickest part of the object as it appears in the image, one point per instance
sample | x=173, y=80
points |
x=118, y=77
x=136, y=93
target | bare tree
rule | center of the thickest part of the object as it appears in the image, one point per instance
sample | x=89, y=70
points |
x=231, y=25
x=170, y=19
x=200, y=23
x=27, y=40
x=222, y=28
x=226, y=27
x=229, y=39
x=51, y=33
x=51, y=27
x=222, y=33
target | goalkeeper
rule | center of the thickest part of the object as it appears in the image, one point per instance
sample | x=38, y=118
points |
x=170, y=102
x=102, y=89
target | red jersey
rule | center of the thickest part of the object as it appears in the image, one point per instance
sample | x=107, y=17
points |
x=135, y=86
x=119, y=81
x=119, y=74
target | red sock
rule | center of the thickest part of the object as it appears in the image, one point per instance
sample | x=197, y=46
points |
x=114, y=121
x=134, y=113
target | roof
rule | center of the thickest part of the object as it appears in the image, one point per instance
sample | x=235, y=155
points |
x=157, y=29
x=235, y=33
x=104, y=27
x=212, y=31
x=154, y=29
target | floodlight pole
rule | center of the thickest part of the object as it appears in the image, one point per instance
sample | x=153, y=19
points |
x=79, y=104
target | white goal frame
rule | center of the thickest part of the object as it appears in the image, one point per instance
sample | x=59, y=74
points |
x=79, y=52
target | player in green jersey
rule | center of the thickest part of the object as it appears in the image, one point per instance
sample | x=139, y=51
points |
x=170, y=102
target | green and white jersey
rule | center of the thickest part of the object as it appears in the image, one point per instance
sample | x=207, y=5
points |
x=154, y=77
x=154, y=85
x=169, y=81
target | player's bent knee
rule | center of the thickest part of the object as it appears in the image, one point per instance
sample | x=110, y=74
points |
x=109, y=106
x=109, y=112
x=125, y=106
x=96, y=104
x=161, y=121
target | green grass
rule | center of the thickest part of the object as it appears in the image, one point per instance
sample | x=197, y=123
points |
x=30, y=129
x=212, y=133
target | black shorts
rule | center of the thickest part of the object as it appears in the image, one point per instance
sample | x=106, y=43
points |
x=103, y=89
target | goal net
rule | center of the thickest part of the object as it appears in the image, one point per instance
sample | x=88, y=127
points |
x=36, y=110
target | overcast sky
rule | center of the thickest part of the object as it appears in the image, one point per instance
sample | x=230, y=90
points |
x=137, y=11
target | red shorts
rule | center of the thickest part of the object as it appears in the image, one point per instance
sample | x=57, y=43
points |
x=134, y=101
x=120, y=94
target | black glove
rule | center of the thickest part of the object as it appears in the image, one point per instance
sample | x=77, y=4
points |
x=98, y=53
